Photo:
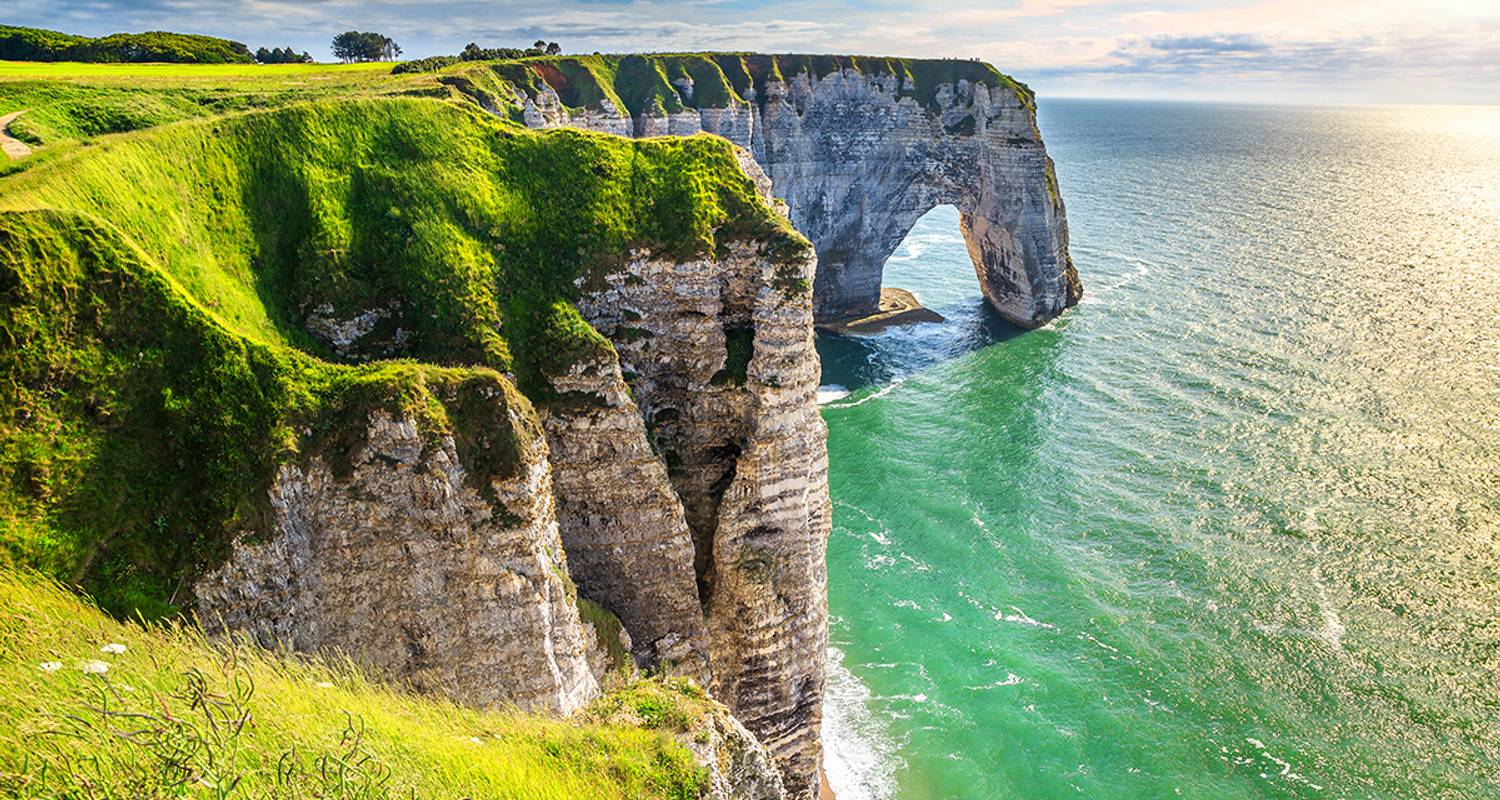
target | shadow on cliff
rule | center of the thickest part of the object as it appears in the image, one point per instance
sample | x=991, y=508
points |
x=858, y=361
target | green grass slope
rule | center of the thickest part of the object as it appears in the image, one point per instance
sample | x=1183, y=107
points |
x=155, y=288
x=175, y=715
x=655, y=83
x=72, y=101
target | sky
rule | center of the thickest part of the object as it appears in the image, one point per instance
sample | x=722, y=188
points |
x=1302, y=51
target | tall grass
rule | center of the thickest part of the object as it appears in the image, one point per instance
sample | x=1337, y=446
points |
x=176, y=715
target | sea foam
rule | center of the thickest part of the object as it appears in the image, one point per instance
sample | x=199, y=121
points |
x=859, y=756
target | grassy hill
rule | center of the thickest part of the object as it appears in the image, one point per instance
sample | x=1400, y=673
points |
x=175, y=715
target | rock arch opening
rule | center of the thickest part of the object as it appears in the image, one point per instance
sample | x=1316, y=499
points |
x=933, y=262
x=855, y=247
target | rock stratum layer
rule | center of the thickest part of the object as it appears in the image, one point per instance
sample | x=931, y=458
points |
x=859, y=148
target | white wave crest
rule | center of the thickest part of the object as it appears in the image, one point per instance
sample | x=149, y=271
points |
x=881, y=392
x=859, y=757
x=830, y=392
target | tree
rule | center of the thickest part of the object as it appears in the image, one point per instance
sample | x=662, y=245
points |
x=553, y=48
x=348, y=46
x=365, y=46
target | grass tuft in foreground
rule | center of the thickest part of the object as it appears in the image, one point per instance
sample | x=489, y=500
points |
x=95, y=708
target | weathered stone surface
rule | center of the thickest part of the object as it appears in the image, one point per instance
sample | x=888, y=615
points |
x=623, y=527
x=859, y=161
x=739, y=766
x=725, y=375
x=407, y=569
x=684, y=475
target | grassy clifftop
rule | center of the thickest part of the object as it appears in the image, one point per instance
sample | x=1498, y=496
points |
x=175, y=715
x=157, y=291
x=70, y=101
x=74, y=101
x=671, y=82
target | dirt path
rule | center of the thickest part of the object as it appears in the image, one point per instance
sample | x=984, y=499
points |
x=13, y=147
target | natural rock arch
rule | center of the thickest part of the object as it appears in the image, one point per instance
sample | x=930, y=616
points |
x=858, y=167
x=859, y=154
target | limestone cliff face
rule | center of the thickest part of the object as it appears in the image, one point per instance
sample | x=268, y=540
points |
x=695, y=504
x=406, y=567
x=679, y=478
x=859, y=155
x=726, y=378
x=623, y=525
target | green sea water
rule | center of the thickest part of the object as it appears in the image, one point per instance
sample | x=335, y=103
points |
x=1231, y=527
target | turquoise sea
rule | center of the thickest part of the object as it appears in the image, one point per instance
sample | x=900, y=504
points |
x=1230, y=528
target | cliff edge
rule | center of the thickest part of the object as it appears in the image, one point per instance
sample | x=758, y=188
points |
x=384, y=377
x=858, y=147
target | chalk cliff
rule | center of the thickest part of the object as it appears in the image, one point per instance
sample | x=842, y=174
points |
x=860, y=149
x=402, y=564
x=855, y=151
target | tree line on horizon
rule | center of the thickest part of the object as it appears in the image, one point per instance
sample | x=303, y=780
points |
x=282, y=55
x=39, y=44
x=473, y=52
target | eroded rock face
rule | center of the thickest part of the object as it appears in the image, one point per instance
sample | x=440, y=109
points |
x=725, y=375
x=684, y=474
x=858, y=161
x=739, y=766
x=408, y=569
x=623, y=526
